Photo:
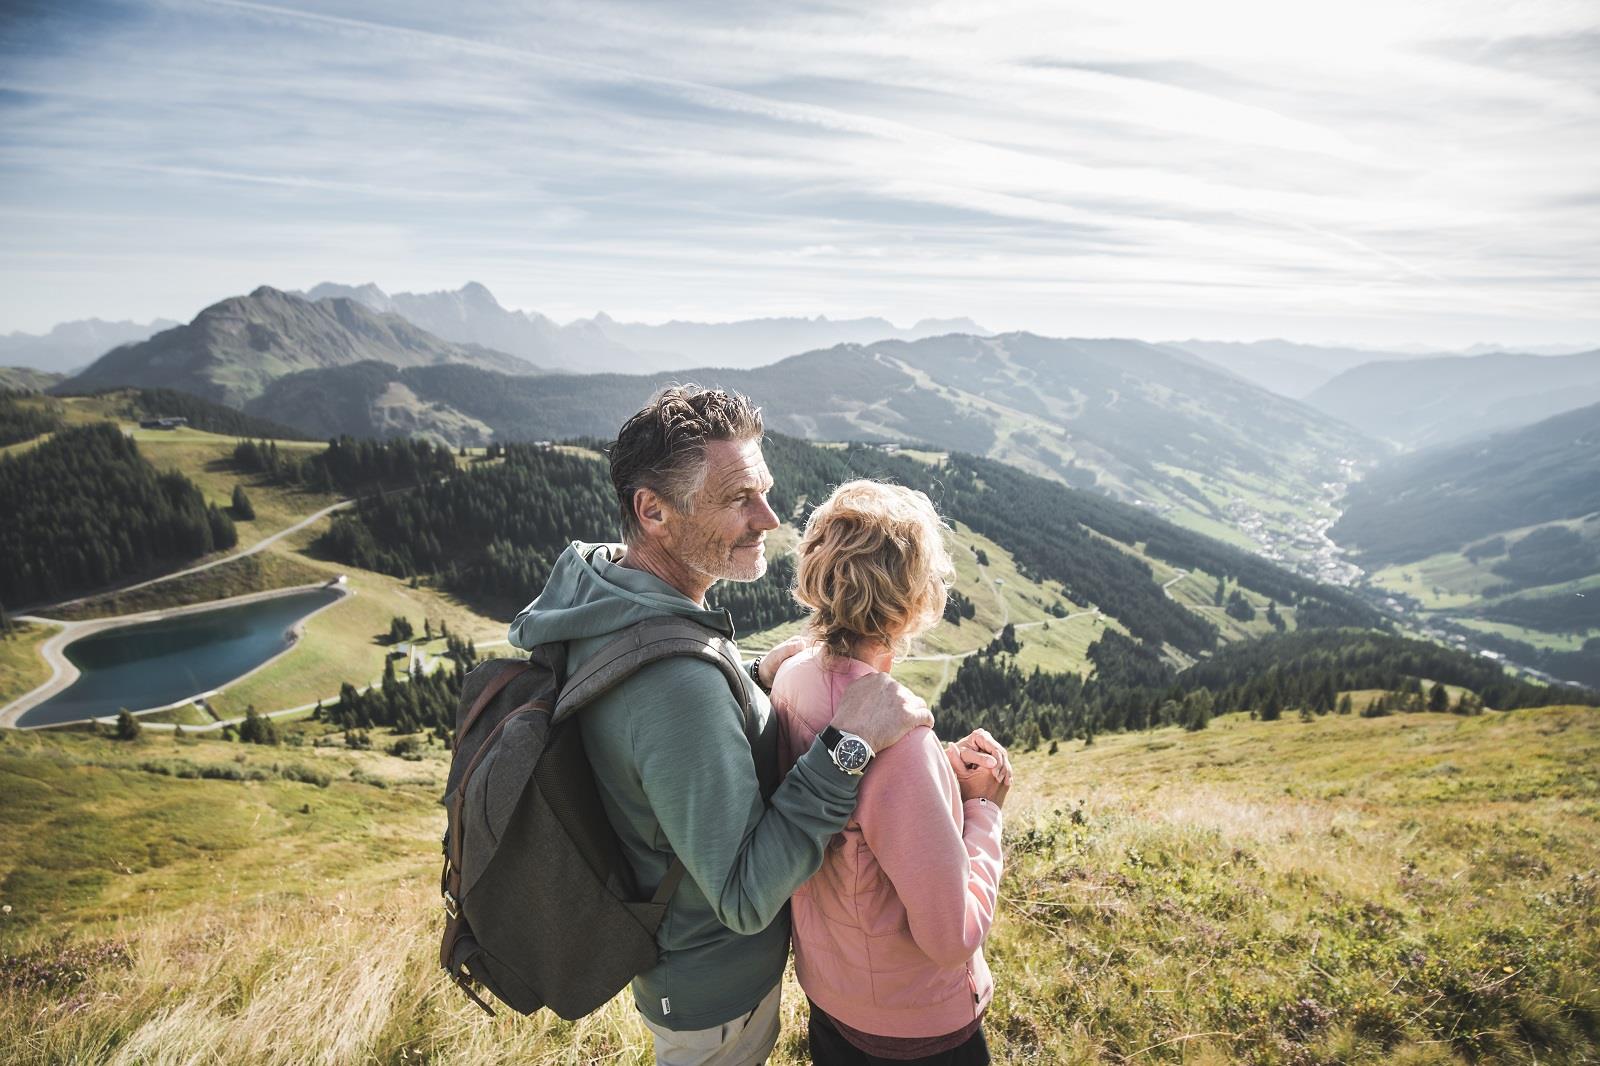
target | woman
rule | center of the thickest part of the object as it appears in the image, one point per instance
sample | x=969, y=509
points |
x=888, y=934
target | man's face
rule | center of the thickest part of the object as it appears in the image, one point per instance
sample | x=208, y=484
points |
x=724, y=536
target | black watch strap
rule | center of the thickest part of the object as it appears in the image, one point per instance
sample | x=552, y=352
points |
x=830, y=738
x=754, y=666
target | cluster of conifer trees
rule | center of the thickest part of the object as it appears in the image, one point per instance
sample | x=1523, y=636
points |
x=24, y=416
x=200, y=413
x=85, y=509
x=422, y=702
x=491, y=533
x=1311, y=672
x=349, y=466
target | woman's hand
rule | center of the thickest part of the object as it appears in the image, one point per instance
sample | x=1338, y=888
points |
x=983, y=769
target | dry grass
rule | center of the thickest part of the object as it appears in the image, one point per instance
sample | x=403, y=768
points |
x=1417, y=888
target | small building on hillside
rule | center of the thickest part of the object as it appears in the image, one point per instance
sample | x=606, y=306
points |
x=163, y=423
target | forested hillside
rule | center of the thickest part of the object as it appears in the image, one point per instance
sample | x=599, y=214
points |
x=1135, y=421
x=84, y=509
x=1446, y=498
x=139, y=404
x=1304, y=672
x=24, y=416
x=492, y=533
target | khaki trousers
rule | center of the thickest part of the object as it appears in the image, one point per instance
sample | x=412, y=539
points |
x=744, y=1041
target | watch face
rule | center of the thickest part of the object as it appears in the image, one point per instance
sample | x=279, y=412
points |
x=851, y=754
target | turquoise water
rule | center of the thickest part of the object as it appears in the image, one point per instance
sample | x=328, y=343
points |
x=153, y=664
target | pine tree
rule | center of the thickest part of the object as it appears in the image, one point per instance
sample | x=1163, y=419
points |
x=128, y=727
x=1272, y=710
x=243, y=510
x=1438, y=698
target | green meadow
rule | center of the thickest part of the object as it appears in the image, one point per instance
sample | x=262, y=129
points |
x=1414, y=888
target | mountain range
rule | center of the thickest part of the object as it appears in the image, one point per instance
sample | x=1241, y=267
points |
x=236, y=347
x=1144, y=423
x=1421, y=402
x=72, y=345
x=1443, y=499
x=472, y=315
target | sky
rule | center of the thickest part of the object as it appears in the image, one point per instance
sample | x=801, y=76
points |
x=1377, y=173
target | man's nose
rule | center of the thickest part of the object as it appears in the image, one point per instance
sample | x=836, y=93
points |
x=766, y=517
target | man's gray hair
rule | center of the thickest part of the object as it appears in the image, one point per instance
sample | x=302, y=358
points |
x=663, y=446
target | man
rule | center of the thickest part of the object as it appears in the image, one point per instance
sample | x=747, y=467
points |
x=668, y=746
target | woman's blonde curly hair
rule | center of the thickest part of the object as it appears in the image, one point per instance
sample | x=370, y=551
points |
x=872, y=564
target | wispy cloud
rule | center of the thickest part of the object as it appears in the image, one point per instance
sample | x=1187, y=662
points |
x=1356, y=171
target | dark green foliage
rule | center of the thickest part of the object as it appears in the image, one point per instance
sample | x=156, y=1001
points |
x=400, y=628
x=1300, y=663
x=127, y=727
x=350, y=466
x=1547, y=556
x=1005, y=641
x=23, y=416
x=201, y=414
x=958, y=607
x=1438, y=699
x=982, y=556
x=420, y=702
x=258, y=729
x=1274, y=618
x=242, y=508
x=1239, y=607
x=1305, y=671
x=490, y=533
x=85, y=509
x=762, y=604
x=1441, y=499
x=1560, y=612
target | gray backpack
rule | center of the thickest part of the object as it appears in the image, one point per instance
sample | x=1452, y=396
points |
x=540, y=905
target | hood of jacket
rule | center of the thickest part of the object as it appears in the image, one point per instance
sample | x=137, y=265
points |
x=588, y=595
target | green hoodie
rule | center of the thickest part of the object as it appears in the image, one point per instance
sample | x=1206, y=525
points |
x=674, y=767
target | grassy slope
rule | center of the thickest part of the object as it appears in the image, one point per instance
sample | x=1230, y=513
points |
x=1415, y=888
x=1451, y=586
x=21, y=668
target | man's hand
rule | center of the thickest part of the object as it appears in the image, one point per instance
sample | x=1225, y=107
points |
x=775, y=658
x=880, y=710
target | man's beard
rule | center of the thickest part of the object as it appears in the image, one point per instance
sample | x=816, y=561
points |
x=732, y=564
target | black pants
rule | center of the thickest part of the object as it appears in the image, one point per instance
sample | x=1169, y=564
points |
x=829, y=1048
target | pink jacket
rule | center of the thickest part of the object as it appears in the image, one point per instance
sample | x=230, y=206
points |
x=888, y=934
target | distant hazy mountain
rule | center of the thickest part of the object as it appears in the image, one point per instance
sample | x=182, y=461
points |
x=471, y=315
x=603, y=345
x=27, y=379
x=759, y=341
x=1525, y=349
x=234, y=349
x=1422, y=402
x=1444, y=498
x=1286, y=368
x=1134, y=420
x=72, y=345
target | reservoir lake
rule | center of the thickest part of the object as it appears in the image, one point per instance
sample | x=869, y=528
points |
x=156, y=664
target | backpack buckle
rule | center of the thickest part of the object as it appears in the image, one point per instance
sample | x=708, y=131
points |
x=450, y=906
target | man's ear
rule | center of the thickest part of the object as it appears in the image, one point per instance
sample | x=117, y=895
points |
x=650, y=509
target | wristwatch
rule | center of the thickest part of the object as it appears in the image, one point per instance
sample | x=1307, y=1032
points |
x=850, y=753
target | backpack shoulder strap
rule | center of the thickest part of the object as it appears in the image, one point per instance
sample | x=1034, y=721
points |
x=667, y=637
